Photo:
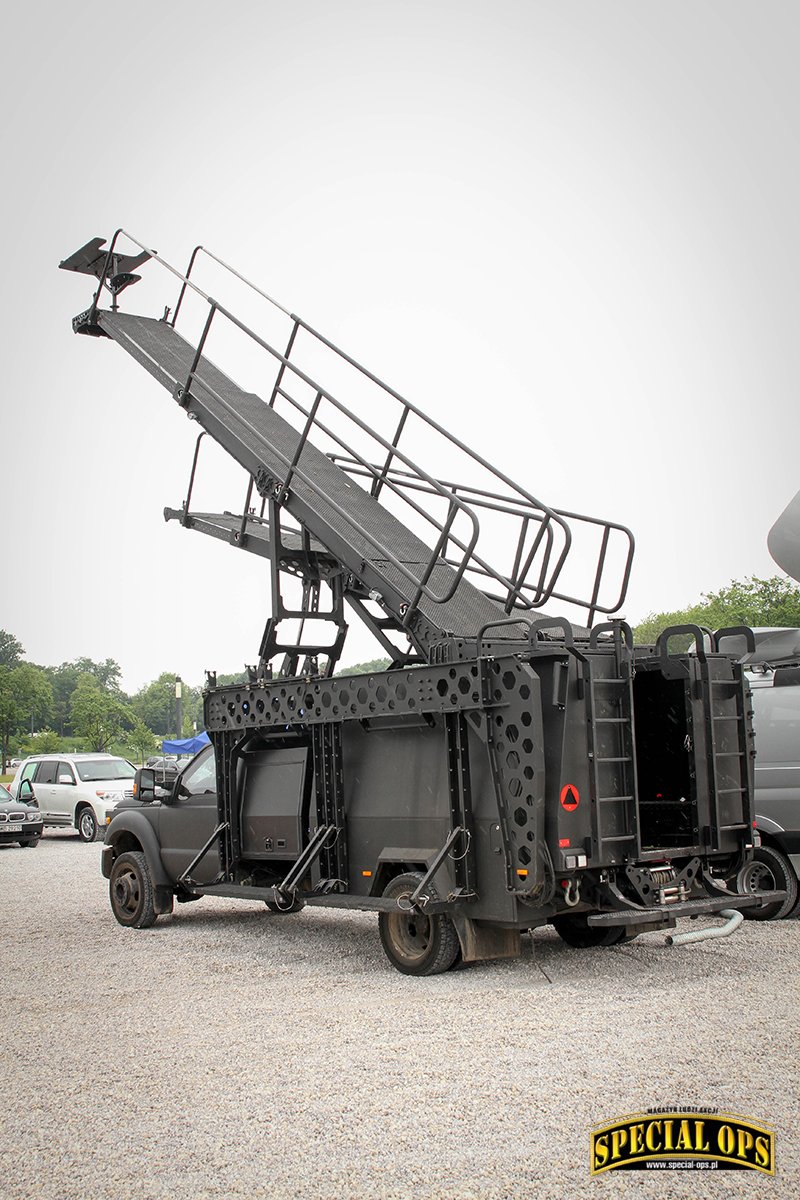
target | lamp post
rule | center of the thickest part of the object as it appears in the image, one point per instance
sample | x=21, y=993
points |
x=178, y=706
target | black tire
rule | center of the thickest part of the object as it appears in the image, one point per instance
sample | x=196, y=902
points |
x=31, y=842
x=131, y=891
x=769, y=870
x=414, y=943
x=86, y=824
x=576, y=932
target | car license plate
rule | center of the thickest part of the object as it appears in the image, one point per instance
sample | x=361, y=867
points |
x=11, y=827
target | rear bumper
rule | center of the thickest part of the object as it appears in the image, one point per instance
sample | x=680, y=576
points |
x=686, y=908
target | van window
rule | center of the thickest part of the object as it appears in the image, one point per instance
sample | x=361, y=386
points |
x=46, y=773
x=95, y=770
x=777, y=725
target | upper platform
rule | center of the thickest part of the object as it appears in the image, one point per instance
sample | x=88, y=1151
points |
x=363, y=497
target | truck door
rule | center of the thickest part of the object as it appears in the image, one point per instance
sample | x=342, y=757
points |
x=63, y=794
x=189, y=817
x=777, y=726
x=45, y=792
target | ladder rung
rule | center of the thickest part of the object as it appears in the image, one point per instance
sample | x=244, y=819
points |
x=612, y=799
x=621, y=837
x=612, y=720
x=625, y=758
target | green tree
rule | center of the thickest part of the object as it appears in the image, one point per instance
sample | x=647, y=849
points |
x=11, y=650
x=97, y=715
x=141, y=740
x=107, y=673
x=154, y=704
x=46, y=741
x=9, y=716
x=230, y=680
x=373, y=667
x=64, y=680
x=26, y=700
x=752, y=601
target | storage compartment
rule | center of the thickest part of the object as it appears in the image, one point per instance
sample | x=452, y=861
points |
x=666, y=790
x=275, y=788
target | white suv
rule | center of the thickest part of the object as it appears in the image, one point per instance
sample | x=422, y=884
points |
x=74, y=790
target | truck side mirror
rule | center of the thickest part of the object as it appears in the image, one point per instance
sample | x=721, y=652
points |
x=144, y=785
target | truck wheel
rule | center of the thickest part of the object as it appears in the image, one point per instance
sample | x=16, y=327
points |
x=131, y=892
x=769, y=870
x=87, y=825
x=414, y=943
x=576, y=932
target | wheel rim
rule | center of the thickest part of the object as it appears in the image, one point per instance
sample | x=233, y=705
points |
x=410, y=934
x=127, y=892
x=761, y=878
x=86, y=824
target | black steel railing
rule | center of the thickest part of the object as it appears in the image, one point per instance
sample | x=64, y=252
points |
x=516, y=583
x=538, y=564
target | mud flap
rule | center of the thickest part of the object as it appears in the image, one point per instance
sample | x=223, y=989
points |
x=480, y=942
x=163, y=900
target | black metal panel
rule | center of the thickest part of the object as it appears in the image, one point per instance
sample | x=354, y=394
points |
x=330, y=799
x=273, y=809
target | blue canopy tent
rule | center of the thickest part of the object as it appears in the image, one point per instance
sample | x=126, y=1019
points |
x=186, y=745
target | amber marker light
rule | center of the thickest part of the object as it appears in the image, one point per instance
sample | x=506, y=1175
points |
x=522, y=874
x=367, y=874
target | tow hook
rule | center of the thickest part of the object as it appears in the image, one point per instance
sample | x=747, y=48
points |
x=734, y=920
x=572, y=895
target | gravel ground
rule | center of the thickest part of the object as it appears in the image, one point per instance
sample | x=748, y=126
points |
x=231, y=1053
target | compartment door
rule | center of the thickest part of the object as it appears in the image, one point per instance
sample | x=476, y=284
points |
x=274, y=802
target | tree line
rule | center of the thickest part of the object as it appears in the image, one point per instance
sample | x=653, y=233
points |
x=80, y=704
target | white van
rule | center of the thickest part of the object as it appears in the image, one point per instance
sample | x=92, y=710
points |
x=776, y=717
x=773, y=673
x=74, y=790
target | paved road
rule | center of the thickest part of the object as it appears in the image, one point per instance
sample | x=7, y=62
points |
x=229, y=1053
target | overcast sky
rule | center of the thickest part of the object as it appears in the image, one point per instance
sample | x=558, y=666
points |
x=567, y=230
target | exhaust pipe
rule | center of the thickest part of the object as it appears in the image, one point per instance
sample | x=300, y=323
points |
x=734, y=920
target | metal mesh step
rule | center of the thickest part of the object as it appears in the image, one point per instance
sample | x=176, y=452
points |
x=336, y=510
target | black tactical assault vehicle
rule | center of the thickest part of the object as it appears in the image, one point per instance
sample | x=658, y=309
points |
x=510, y=769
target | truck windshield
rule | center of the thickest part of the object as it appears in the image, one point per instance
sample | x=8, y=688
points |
x=105, y=768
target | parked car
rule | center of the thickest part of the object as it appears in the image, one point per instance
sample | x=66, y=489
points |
x=74, y=790
x=166, y=768
x=18, y=822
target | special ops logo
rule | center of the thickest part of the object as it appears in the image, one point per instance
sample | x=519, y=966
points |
x=689, y=1140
